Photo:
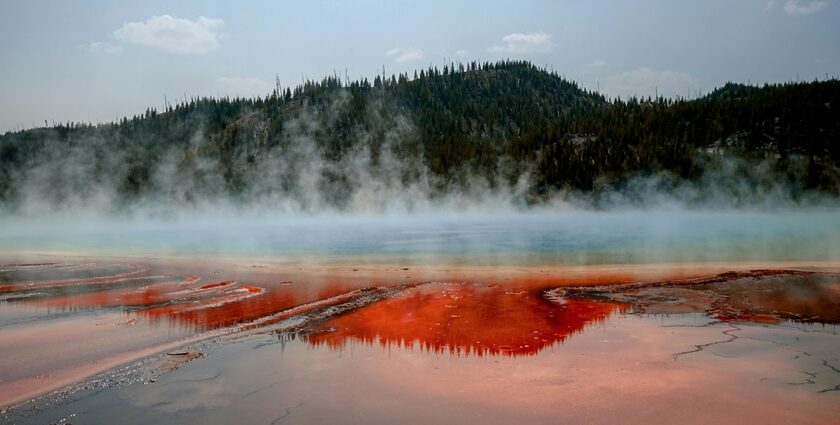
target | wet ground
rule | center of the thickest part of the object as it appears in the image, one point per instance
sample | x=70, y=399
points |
x=368, y=341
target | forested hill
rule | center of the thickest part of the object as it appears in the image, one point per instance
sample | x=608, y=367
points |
x=496, y=126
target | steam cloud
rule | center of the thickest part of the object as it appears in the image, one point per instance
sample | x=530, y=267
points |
x=297, y=196
x=375, y=175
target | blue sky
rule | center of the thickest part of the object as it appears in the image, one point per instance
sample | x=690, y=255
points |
x=100, y=60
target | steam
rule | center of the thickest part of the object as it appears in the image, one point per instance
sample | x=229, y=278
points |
x=374, y=174
x=376, y=194
x=378, y=197
x=292, y=173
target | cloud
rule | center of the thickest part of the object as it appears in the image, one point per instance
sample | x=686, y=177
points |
x=175, y=35
x=102, y=47
x=799, y=7
x=643, y=82
x=594, y=67
x=243, y=86
x=407, y=55
x=591, y=71
x=462, y=54
x=524, y=43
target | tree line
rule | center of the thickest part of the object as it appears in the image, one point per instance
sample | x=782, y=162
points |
x=490, y=121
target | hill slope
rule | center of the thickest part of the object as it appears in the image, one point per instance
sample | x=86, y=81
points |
x=480, y=129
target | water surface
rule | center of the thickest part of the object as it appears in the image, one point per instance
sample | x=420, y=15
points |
x=539, y=318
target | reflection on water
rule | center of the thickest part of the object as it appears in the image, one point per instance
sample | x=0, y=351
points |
x=204, y=301
x=465, y=319
x=189, y=301
x=103, y=314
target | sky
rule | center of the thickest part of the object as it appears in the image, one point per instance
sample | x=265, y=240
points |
x=97, y=61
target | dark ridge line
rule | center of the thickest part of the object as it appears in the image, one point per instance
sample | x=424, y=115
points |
x=718, y=278
x=288, y=411
x=828, y=365
x=701, y=347
x=808, y=381
x=835, y=370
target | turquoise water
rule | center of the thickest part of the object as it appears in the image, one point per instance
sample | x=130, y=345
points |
x=567, y=237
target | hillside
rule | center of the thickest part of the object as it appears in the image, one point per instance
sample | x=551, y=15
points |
x=504, y=126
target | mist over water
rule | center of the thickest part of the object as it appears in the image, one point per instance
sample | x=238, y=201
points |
x=377, y=198
x=571, y=237
x=290, y=205
x=314, y=164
